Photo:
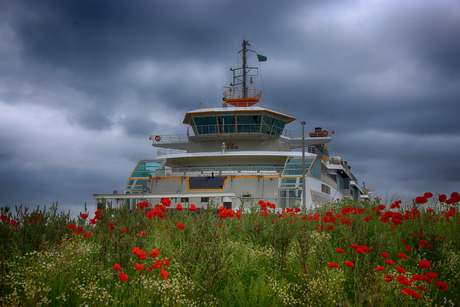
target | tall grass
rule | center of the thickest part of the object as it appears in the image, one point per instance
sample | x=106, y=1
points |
x=266, y=257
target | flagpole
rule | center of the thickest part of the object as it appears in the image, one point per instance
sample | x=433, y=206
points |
x=304, y=201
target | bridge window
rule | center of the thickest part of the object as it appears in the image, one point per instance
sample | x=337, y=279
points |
x=248, y=123
x=227, y=124
x=205, y=125
x=267, y=124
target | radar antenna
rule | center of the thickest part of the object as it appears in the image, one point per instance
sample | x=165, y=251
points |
x=245, y=97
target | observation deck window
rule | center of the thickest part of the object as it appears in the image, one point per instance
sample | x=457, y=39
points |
x=206, y=125
x=294, y=166
x=267, y=124
x=145, y=169
x=226, y=124
x=248, y=123
x=272, y=126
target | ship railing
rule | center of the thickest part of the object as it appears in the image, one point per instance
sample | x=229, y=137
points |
x=292, y=134
x=309, y=149
x=229, y=106
x=168, y=138
x=169, y=151
x=219, y=172
x=243, y=94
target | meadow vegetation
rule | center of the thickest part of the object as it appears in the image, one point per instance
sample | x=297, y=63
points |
x=349, y=253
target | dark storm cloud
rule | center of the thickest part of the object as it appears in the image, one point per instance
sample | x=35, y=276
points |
x=84, y=83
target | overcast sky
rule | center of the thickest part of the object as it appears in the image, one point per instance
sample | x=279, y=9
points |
x=83, y=84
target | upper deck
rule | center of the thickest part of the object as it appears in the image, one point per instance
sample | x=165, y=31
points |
x=248, y=120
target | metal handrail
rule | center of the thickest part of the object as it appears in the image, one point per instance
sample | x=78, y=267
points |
x=243, y=94
x=168, y=138
x=229, y=106
x=169, y=151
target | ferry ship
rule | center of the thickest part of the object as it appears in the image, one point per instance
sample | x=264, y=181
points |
x=237, y=152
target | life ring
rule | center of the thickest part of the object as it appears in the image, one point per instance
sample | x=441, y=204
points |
x=157, y=138
x=324, y=133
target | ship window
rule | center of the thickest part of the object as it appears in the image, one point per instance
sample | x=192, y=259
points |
x=267, y=124
x=226, y=124
x=288, y=182
x=204, y=199
x=248, y=123
x=278, y=127
x=239, y=168
x=316, y=169
x=184, y=200
x=294, y=166
x=325, y=189
x=205, y=124
x=145, y=169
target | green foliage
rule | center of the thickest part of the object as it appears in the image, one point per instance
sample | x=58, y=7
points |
x=273, y=259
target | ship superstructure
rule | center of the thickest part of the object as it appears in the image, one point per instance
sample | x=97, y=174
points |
x=237, y=152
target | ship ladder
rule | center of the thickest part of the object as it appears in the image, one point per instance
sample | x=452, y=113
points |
x=157, y=172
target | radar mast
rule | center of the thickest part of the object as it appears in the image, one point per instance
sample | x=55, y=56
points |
x=244, y=97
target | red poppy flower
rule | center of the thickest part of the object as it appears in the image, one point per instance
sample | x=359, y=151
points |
x=192, y=208
x=330, y=227
x=402, y=255
x=400, y=269
x=179, y=207
x=424, y=264
x=230, y=213
x=124, y=230
x=84, y=215
x=408, y=248
x=223, y=213
x=333, y=265
x=180, y=226
x=349, y=264
x=166, y=202
x=360, y=250
x=421, y=200
x=421, y=288
x=389, y=262
x=70, y=227
x=428, y=194
x=164, y=274
x=155, y=253
x=432, y=274
x=380, y=268
x=442, y=198
x=123, y=277
x=441, y=285
x=339, y=250
x=117, y=267
x=139, y=253
x=157, y=264
x=386, y=255
x=139, y=267
x=166, y=262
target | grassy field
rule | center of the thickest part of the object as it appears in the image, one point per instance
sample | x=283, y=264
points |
x=346, y=254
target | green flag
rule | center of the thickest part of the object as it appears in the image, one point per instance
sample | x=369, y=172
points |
x=261, y=58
